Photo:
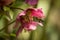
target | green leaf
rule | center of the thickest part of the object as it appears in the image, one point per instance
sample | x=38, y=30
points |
x=9, y=13
x=13, y=35
x=2, y=23
x=6, y=8
x=17, y=4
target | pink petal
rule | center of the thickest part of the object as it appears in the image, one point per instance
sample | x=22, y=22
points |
x=31, y=26
x=37, y=13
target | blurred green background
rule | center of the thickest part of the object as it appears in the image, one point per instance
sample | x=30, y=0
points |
x=50, y=30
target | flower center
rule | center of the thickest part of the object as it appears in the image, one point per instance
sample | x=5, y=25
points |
x=28, y=17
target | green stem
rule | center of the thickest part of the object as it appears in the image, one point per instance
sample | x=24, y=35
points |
x=5, y=26
x=15, y=8
x=1, y=16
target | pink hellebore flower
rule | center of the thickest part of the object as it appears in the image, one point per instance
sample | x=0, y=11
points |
x=31, y=2
x=26, y=19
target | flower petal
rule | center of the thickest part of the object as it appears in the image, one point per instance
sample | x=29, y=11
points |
x=30, y=26
x=40, y=24
x=37, y=13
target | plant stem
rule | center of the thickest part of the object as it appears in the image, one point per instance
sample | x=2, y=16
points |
x=15, y=8
x=5, y=26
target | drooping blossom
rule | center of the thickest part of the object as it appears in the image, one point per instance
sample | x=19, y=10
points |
x=31, y=2
x=26, y=19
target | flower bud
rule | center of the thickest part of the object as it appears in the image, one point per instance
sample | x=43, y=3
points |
x=31, y=2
